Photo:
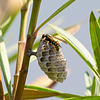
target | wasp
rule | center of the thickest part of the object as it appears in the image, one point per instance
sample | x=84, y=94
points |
x=51, y=40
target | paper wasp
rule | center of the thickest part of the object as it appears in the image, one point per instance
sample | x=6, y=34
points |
x=51, y=40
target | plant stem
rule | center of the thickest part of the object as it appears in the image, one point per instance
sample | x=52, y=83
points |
x=29, y=43
x=2, y=97
x=21, y=45
x=34, y=16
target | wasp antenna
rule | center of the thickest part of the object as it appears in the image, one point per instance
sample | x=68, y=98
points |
x=38, y=34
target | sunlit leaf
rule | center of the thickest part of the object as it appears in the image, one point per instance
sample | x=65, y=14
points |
x=79, y=48
x=8, y=23
x=34, y=92
x=93, y=87
x=95, y=39
x=12, y=58
x=98, y=89
x=85, y=98
x=99, y=20
x=58, y=94
x=56, y=12
x=5, y=64
x=88, y=84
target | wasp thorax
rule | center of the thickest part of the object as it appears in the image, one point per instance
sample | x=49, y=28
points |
x=51, y=60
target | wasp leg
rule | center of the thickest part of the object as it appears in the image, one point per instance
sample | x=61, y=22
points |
x=45, y=46
x=30, y=52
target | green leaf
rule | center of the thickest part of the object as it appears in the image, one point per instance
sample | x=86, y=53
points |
x=79, y=48
x=10, y=50
x=57, y=12
x=95, y=38
x=99, y=20
x=5, y=64
x=12, y=58
x=93, y=87
x=35, y=92
x=46, y=92
x=35, y=46
x=5, y=26
x=88, y=84
x=85, y=98
x=98, y=89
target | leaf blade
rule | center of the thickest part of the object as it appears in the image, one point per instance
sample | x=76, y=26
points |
x=5, y=64
x=79, y=48
x=54, y=92
x=6, y=26
x=56, y=12
x=85, y=98
x=95, y=38
x=88, y=84
x=93, y=87
x=99, y=20
x=35, y=92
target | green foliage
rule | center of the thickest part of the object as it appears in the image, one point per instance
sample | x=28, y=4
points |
x=6, y=26
x=79, y=48
x=92, y=85
x=85, y=98
x=5, y=64
x=95, y=39
x=56, y=12
x=88, y=84
x=54, y=92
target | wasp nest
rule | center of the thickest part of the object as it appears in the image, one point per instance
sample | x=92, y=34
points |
x=51, y=59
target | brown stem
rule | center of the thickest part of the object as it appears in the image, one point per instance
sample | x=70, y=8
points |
x=24, y=69
x=29, y=43
x=21, y=46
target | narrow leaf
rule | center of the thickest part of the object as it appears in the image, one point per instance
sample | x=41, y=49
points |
x=56, y=12
x=98, y=89
x=93, y=87
x=79, y=48
x=5, y=64
x=33, y=92
x=85, y=98
x=87, y=92
x=12, y=58
x=88, y=84
x=47, y=90
x=99, y=20
x=8, y=23
x=72, y=29
x=95, y=38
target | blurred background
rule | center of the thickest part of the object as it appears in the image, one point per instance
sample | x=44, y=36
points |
x=77, y=12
